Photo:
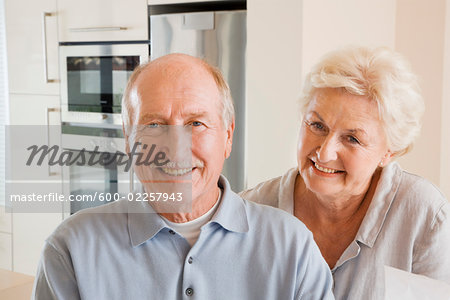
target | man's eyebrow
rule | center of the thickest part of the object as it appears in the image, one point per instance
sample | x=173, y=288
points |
x=149, y=116
x=156, y=116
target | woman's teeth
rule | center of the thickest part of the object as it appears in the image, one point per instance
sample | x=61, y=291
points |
x=176, y=172
x=325, y=170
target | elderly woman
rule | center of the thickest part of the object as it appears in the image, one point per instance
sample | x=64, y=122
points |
x=361, y=110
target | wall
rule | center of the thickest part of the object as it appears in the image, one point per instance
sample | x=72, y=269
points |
x=330, y=24
x=420, y=36
x=445, y=113
x=273, y=80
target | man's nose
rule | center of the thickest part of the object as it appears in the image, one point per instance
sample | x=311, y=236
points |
x=179, y=140
x=328, y=150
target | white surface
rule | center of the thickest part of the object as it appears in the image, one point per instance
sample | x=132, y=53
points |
x=131, y=14
x=29, y=233
x=29, y=230
x=25, y=46
x=5, y=220
x=5, y=251
x=407, y=286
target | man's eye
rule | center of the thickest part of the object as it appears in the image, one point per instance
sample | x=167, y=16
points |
x=196, y=123
x=153, y=125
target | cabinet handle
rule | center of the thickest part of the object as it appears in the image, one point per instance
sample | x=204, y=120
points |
x=44, y=41
x=47, y=122
x=90, y=29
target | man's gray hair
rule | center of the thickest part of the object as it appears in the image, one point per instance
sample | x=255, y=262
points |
x=227, y=105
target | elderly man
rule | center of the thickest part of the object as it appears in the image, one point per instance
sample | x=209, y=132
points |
x=222, y=248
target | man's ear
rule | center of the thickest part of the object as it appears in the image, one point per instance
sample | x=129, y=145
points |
x=229, y=141
x=125, y=135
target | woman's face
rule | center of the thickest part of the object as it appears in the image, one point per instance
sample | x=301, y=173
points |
x=341, y=143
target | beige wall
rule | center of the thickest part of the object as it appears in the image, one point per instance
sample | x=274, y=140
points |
x=273, y=78
x=445, y=113
x=420, y=36
x=331, y=24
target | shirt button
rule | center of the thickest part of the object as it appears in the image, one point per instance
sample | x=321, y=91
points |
x=189, y=292
x=190, y=260
x=171, y=231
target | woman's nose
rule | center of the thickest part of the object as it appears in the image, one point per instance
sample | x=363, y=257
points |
x=327, y=151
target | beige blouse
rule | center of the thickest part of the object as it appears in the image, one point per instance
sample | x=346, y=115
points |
x=407, y=226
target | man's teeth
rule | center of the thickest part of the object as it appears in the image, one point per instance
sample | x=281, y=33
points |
x=330, y=171
x=176, y=172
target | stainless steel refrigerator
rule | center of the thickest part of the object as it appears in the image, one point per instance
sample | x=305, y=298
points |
x=219, y=37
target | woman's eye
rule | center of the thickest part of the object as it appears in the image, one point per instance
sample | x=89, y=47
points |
x=316, y=126
x=196, y=123
x=352, y=140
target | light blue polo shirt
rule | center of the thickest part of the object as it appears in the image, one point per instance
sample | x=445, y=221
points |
x=246, y=251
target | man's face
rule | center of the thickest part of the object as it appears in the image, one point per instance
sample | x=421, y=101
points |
x=185, y=95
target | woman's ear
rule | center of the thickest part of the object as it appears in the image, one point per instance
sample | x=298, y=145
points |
x=386, y=158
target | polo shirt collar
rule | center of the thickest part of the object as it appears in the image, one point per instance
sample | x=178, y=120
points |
x=144, y=223
x=388, y=184
x=231, y=214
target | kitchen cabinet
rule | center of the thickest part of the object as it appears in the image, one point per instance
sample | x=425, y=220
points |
x=5, y=251
x=5, y=240
x=32, y=49
x=102, y=20
x=32, y=227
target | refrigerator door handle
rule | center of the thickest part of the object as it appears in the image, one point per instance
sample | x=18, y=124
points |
x=198, y=21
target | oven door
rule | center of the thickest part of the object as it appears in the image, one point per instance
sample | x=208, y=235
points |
x=89, y=181
x=93, y=79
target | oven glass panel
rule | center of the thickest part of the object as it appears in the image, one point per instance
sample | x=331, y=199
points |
x=96, y=83
x=96, y=184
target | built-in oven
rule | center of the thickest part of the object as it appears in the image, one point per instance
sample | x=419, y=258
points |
x=93, y=78
x=95, y=173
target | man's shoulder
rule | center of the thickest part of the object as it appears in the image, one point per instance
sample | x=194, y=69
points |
x=274, y=220
x=88, y=222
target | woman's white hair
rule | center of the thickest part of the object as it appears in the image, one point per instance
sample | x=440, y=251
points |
x=380, y=75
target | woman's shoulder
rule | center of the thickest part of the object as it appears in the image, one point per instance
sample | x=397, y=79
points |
x=420, y=190
x=268, y=192
x=419, y=199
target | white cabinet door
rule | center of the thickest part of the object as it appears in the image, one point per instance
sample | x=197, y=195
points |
x=29, y=66
x=5, y=240
x=102, y=20
x=32, y=227
x=5, y=251
x=29, y=233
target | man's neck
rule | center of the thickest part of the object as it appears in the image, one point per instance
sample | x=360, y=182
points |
x=200, y=206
